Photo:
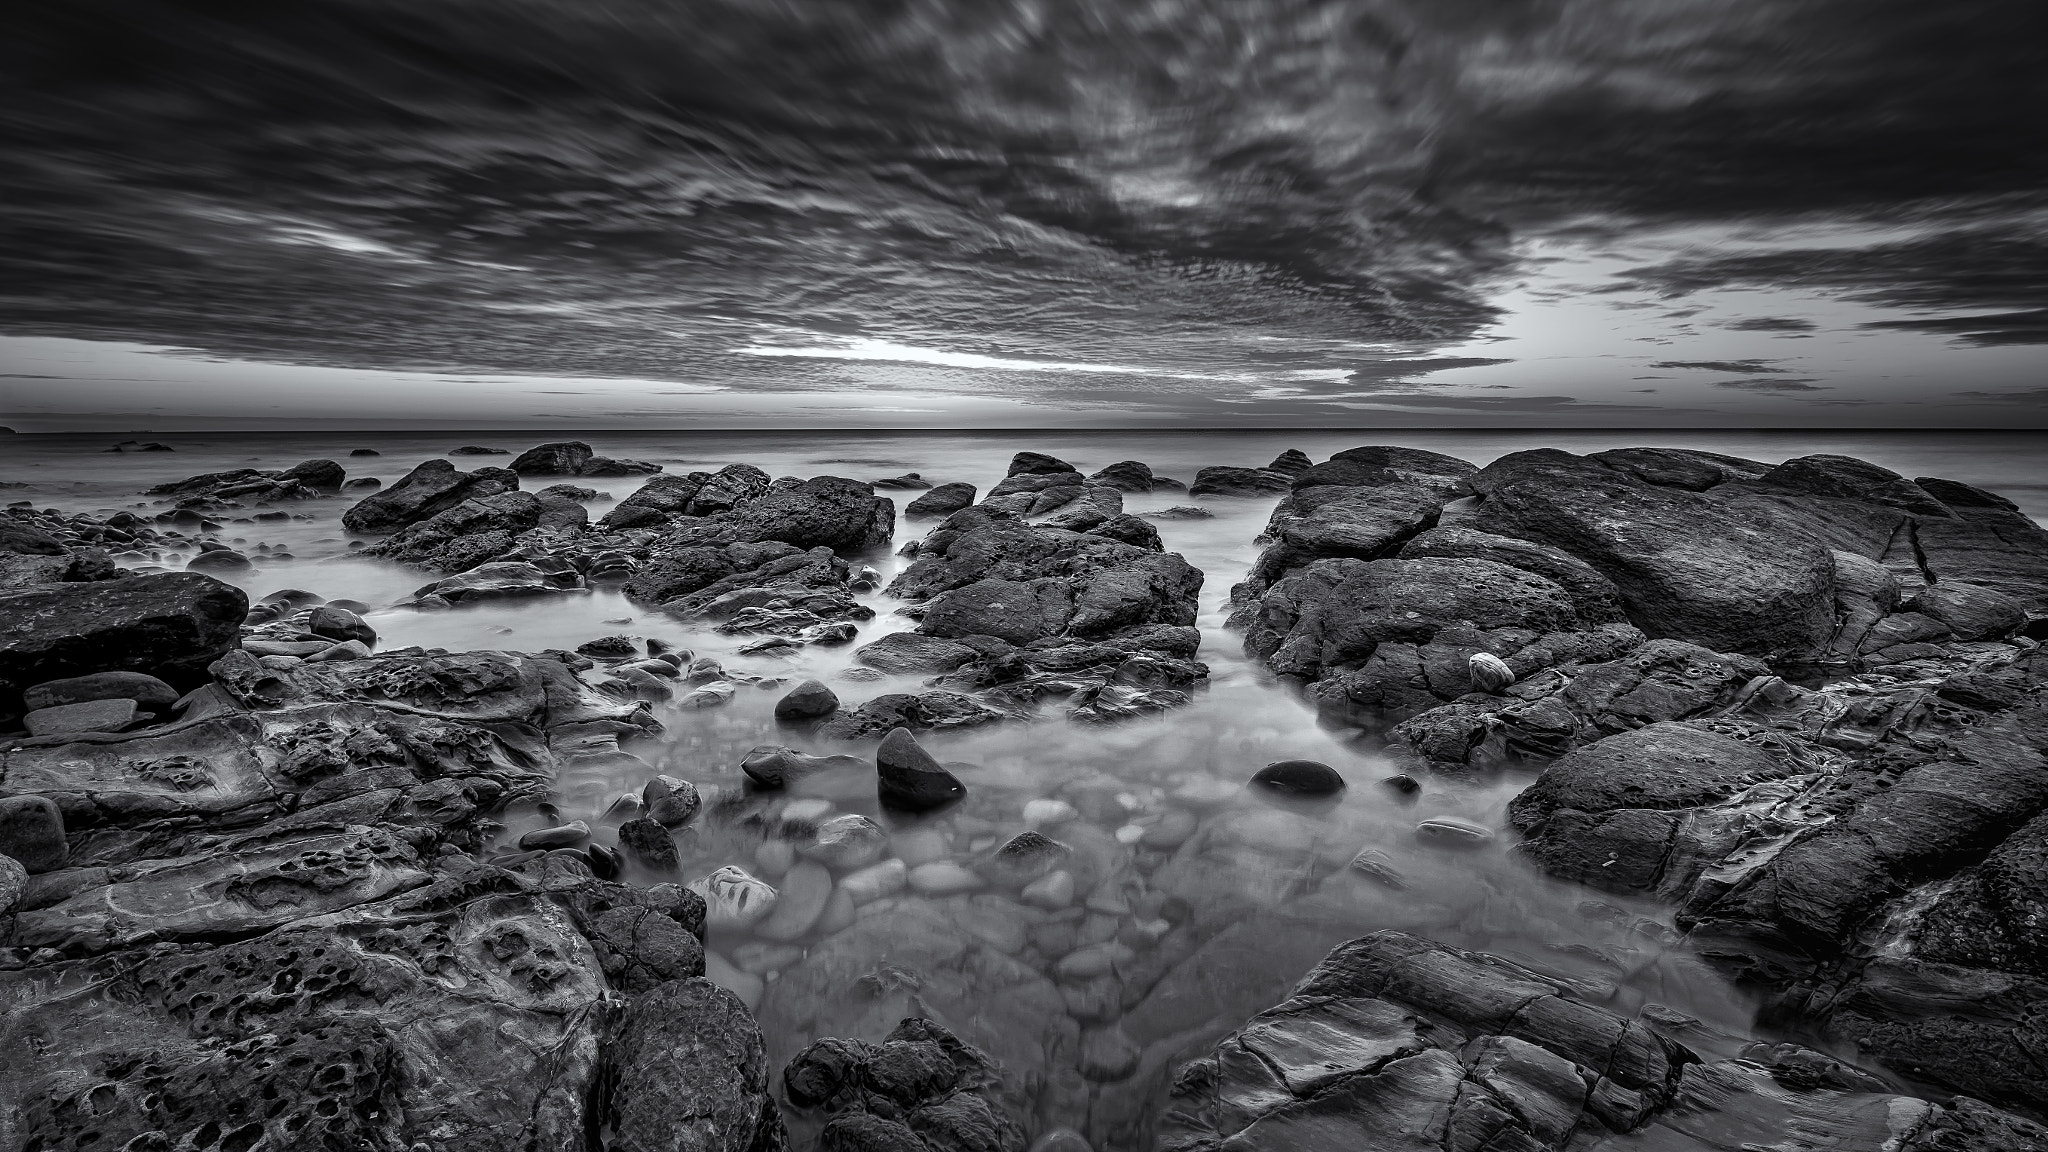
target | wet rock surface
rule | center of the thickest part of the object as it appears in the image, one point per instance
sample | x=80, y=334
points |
x=1394, y=1041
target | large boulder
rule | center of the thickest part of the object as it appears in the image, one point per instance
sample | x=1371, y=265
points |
x=822, y=512
x=167, y=625
x=1685, y=567
x=433, y=487
x=563, y=458
x=1223, y=480
x=462, y=537
x=690, y=1072
x=943, y=500
x=1382, y=464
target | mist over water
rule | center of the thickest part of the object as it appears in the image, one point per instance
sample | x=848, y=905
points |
x=1286, y=863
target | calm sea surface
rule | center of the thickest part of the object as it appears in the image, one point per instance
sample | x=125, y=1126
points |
x=1485, y=899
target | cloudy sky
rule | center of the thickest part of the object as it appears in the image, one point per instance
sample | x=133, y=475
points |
x=1025, y=213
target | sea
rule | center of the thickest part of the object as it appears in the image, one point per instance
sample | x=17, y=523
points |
x=1624, y=952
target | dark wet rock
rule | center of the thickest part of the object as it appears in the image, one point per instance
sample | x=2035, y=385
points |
x=563, y=458
x=1182, y=512
x=822, y=512
x=88, y=716
x=1300, y=778
x=1125, y=476
x=908, y=482
x=1377, y=465
x=1593, y=595
x=771, y=766
x=432, y=488
x=610, y=648
x=943, y=500
x=502, y=580
x=32, y=832
x=913, y=652
x=148, y=692
x=920, y=1089
x=908, y=777
x=1970, y=612
x=1664, y=766
x=807, y=701
x=364, y=452
x=649, y=842
x=308, y=480
x=1129, y=530
x=690, y=1070
x=339, y=624
x=169, y=625
x=28, y=540
x=1292, y=462
x=1038, y=464
x=1394, y=1041
x=218, y=560
x=1023, y=858
x=670, y=801
x=460, y=538
x=316, y=474
x=567, y=492
x=608, y=466
x=478, y=450
x=1331, y=521
x=1220, y=480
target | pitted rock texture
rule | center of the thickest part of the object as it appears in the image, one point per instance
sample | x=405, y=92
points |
x=1397, y=1042
x=919, y=1088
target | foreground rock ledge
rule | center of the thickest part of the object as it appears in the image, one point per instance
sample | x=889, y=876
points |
x=1397, y=1042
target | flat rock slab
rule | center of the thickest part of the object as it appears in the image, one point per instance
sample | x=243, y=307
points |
x=89, y=716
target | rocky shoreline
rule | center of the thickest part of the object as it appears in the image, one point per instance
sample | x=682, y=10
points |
x=259, y=891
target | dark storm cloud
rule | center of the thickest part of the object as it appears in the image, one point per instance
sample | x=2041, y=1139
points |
x=1769, y=384
x=1770, y=324
x=1720, y=365
x=2025, y=396
x=1996, y=265
x=638, y=189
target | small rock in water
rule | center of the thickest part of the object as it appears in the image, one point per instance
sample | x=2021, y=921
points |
x=873, y=883
x=1171, y=831
x=13, y=882
x=648, y=842
x=1052, y=891
x=711, y=695
x=605, y=863
x=943, y=878
x=1107, y=1055
x=733, y=898
x=919, y=847
x=806, y=889
x=908, y=778
x=1092, y=961
x=1130, y=834
x=1488, y=673
x=774, y=857
x=1043, y=813
x=609, y=648
x=1062, y=1140
x=807, y=701
x=848, y=842
x=1404, y=784
x=560, y=836
x=90, y=716
x=1375, y=862
x=670, y=801
x=1451, y=832
x=32, y=832
x=1300, y=778
x=339, y=624
x=333, y=653
x=1024, y=858
x=810, y=808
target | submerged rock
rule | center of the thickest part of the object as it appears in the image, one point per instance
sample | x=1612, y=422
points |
x=909, y=778
x=1300, y=778
x=169, y=626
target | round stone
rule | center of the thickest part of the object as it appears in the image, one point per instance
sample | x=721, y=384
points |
x=1300, y=778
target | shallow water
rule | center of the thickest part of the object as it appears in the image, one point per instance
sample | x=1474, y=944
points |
x=1253, y=869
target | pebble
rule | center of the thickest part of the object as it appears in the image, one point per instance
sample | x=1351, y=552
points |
x=1130, y=834
x=670, y=801
x=775, y=857
x=346, y=650
x=1375, y=862
x=650, y=843
x=1054, y=890
x=560, y=836
x=1044, y=813
x=943, y=878
x=1024, y=858
x=920, y=847
x=839, y=912
x=872, y=883
x=808, y=809
x=1092, y=961
x=807, y=701
x=1300, y=778
x=1172, y=830
x=712, y=695
x=733, y=898
x=848, y=842
x=800, y=903
x=908, y=778
x=1451, y=832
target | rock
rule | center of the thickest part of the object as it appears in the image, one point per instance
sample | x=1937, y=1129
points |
x=909, y=481
x=1052, y=891
x=560, y=836
x=323, y=474
x=801, y=900
x=1037, y=464
x=943, y=878
x=339, y=624
x=734, y=899
x=649, y=842
x=807, y=701
x=1180, y=512
x=32, y=832
x=26, y=540
x=148, y=692
x=1972, y=613
x=943, y=500
x=875, y=882
x=690, y=1072
x=905, y=652
x=167, y=625
x=1594, y=596
x=90, y=716
x=1452, y=832
x=1023, y=858
x=1300, y=778
x=1125, y=476
x=713, y=695
x=771, y=767
x=1108, y=1055
x=1225, y=481
x=1292, y=462
x=218, y=560
x=669, y=801
x=364, y=452
x=1044, y=813
x=848, y=842
x=909, y=778
x=1375, y=862
x=432, y=488
x=478, y=450
x=479, y=529
x=507, y=580
x=13, y=883
x=1489, y=673
x=563, y=458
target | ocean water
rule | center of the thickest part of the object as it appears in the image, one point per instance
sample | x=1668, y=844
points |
x=1285, y=880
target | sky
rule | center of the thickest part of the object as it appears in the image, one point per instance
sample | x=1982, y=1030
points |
x=1028, y=213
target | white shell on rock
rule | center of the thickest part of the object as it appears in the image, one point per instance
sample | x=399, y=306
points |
x=733, y=898
x=1489, y=673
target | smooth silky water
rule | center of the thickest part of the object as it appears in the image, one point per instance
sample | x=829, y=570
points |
x=1272, y=874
